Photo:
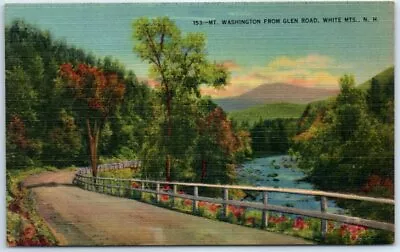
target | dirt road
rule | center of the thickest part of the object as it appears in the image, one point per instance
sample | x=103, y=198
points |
x=81, y=218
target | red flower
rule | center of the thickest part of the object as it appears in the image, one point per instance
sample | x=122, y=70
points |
x=181, y=192
x=166, y=188
x=250, y=220
x=353, y=230
x=164, y=197
x=213, y=207
x=282, y=218
x=135, y=185
x=29, y=232
x=277, y=220
x=343, y=229
x=238, y=212
x=299, y=223
x=202, y=203
x=353, y=236
x=187, y=202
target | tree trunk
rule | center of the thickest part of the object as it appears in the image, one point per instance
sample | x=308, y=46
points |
x=203, y=169
x=169, y=134
x=93, y=142
x=168, y=168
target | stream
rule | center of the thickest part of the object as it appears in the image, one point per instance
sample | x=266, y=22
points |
x=280, y=171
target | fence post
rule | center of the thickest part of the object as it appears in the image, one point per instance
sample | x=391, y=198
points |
x=121, y=188
x=128, y=189
x=131, y=188
x=264, y=220
x=173, y=197
x=195, y=202
x=107, y=186
x=225, y=205
x=158, y=193
x=324, y=223
x=91, y=183
x=141, y=192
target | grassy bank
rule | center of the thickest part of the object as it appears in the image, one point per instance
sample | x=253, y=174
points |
x=24, y=225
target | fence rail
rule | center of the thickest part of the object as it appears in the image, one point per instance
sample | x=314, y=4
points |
x=110, y=166
x=105, y=185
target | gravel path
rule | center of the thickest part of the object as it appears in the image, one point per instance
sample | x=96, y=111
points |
x=84, y=218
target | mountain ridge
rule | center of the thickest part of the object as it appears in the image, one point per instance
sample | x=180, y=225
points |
x=275, y=93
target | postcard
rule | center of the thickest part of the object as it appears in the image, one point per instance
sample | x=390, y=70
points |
x=247, y=123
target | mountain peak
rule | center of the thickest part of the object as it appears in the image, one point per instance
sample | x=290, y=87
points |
x=275, y=93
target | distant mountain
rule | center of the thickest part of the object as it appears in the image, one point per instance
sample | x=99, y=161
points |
x=275, y=93
x=268, y=111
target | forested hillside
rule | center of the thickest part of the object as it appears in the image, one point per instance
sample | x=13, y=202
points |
x=349, y=140
x=42, y=128
x=267, y=111
x=59, y=97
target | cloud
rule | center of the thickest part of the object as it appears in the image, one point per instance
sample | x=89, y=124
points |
x=230, y=65
x=312, y=70
x=313, y=61
x=149, y=82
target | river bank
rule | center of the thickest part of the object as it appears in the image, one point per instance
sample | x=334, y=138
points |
x=281, y=172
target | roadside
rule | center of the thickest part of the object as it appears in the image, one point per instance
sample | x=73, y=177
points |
x=82, y=217
x=25, y=227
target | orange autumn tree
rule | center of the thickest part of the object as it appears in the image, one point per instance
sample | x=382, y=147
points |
x=219, y=145
x=96, y=95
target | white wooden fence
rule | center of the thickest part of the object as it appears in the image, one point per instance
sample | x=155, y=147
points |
x=106, y=185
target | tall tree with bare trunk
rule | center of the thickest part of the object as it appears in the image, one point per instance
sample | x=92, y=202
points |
x=95, y=95
x=178, y=63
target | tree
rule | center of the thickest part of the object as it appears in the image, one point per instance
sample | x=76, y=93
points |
x=350, y=108
x=349, y=144
x=39, y=99
x=65, y=142
x=178, y=63
x=218, y=145
x=375, y=97
x=96, y=95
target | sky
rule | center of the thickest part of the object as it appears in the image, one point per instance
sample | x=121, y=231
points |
x=303, y=54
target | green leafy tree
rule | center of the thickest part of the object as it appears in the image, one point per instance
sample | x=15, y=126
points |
x=65, y=142
x=349, y=145
x=178, y=62
x=38, y=99
x=375, y=97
